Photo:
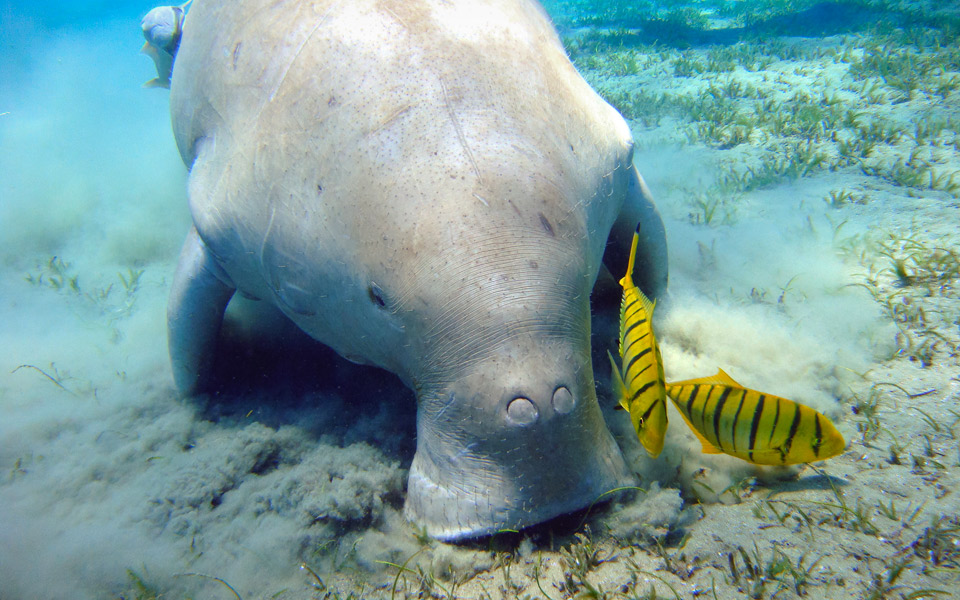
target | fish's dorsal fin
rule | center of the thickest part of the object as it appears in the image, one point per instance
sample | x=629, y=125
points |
x=616, y=379
x=721, y=378
x=647, y=304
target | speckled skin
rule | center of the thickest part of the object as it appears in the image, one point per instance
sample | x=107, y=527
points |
x=427, y=186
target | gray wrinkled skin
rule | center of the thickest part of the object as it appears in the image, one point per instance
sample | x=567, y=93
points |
x=427, y=186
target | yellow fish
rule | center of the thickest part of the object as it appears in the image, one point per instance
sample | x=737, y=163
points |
x=756, y=427
x=639, y=382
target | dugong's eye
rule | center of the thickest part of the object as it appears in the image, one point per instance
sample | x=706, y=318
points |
x=376, y=295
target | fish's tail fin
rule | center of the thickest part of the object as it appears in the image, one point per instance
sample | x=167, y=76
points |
x=627, y=281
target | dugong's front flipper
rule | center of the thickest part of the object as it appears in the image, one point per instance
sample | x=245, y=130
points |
x=198, y=298
x=638, y=207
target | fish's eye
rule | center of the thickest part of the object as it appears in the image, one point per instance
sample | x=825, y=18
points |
x=376, y=295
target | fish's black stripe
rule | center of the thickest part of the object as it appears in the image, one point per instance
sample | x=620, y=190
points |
x=755, y=424
x=635, y=341
x=718, y=413
x=736, y=417
x=633, y=326
x=646, y=413
x=644, y=388
x=636, y=313
x=624, y=309
x=692, y=399
x=776, y=419
x=793, y=432
x=637, y=393
x=634, y=359
x=817, y=434
x=632, y=308
x=703, y=407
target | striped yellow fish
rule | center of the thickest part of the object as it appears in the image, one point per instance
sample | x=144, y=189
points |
x=639, y=382
x=757, y=427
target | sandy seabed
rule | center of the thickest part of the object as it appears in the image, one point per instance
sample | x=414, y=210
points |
x=808, y=188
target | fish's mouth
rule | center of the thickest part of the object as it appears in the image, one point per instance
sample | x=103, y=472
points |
x=511, y=476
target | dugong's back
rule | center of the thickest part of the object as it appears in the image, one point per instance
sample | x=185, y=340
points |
x=358, y=62
x=401, y=95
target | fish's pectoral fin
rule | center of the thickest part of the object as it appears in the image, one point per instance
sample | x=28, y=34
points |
x=619, y=388
x=707, y=447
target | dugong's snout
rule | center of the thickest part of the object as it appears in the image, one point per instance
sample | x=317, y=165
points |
x=515, y=442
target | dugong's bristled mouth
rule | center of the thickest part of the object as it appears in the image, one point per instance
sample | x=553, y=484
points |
x=465, y=484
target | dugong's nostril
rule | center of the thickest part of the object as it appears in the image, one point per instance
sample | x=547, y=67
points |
x=522, y=411
x=562, y=400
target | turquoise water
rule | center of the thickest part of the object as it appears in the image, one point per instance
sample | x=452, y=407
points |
x=803, y=156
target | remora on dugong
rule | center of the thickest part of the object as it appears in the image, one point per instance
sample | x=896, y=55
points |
x=427, y=186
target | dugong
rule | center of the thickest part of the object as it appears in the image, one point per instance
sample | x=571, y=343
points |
x=427, y=186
